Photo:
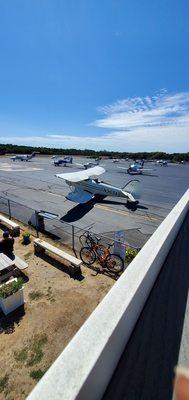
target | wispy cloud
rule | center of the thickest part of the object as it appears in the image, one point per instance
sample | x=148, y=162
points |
x=159, y=122
x=156, y=123
x=156, y=111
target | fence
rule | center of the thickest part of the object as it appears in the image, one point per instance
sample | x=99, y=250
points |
x=59, y=230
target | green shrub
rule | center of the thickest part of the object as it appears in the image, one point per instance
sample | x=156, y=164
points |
x=130, y=254
x=8, y=289
x=26, y=234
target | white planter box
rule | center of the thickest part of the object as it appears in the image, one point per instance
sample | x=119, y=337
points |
x=12, y=302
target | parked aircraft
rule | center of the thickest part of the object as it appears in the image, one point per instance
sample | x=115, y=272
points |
x=136, y=169
x=85, y=185
x=163, y=163
x=23, y=157
x=89, y=164
x=63, y=161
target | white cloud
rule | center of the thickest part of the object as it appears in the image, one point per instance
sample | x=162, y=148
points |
x=137, y=112
x=160, y=122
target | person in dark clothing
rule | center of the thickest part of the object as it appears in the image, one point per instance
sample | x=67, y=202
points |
x=7, y=244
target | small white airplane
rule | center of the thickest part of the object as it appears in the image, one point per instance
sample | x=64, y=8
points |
x=163, y=163
x=89, y=164
x=23, y=157
x=85, y=186
x=136, y=169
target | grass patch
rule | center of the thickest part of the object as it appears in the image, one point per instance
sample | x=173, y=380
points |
x=3, y=383
x=37, y=375
x=49, y=295
x=36, y=349
x=22, y=355
x=35, y=295
x=28, y=254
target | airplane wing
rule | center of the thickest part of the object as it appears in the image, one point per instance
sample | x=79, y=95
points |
x=122, y=167
x=82, y=175
x=79, y=196
x=148, y=169
x=78, y=164
x=140, y=169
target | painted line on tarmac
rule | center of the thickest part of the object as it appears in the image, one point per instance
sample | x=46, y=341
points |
x=126, y=213
x=55, y=194
x=6, y=169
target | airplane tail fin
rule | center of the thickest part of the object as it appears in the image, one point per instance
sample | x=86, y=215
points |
x=34, y=153
x=133, y=187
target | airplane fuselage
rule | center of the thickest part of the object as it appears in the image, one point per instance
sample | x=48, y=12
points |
x=21, y=158
x=101, y=189
x=90, y=164
x=84, y=187
x=63, y=161
x=24, y=157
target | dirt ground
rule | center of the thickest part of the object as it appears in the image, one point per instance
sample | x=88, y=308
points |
x=56, y=305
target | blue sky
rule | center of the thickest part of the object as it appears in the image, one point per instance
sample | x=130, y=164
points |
x=101, y=74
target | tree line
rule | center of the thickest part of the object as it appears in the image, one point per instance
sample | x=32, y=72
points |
x=17, y=149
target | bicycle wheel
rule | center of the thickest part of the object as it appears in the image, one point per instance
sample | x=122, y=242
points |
x=87, y=255
x=82, y=239
x=114, y=263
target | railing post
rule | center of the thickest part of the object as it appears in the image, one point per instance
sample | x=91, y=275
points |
x=9, y=207
x=36, y=224
x=73, y=238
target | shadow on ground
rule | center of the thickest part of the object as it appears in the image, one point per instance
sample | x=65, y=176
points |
x=8, y=322
x=73, y=273
x=146, y=368
x=97, y=269
x=78, y=212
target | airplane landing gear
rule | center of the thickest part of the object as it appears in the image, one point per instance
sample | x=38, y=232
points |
x=132, y=205
x=99, y=197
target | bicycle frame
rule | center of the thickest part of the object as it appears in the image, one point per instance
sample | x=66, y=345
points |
x=102, y=258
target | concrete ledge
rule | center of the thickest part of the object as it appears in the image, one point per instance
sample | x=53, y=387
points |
x=84, y=369
x=13, y=226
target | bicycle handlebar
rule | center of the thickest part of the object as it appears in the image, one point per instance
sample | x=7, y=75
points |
x=96, y=239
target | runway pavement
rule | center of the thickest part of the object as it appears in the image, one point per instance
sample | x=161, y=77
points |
x=34, y=184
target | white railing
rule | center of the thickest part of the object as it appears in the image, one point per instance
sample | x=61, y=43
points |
x=84, y=369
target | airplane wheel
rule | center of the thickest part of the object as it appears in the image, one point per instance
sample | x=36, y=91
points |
x=100, y=197
x=132, y=205
x=128, y=205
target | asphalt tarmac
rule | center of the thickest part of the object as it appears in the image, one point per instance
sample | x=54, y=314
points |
x=34, y=184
